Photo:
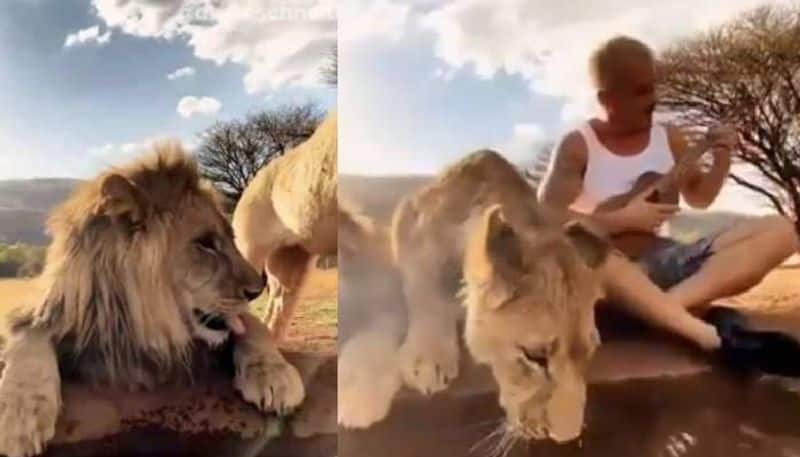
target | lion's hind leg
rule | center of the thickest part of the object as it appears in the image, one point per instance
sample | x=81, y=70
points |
x=30, y=394
x=287, y=268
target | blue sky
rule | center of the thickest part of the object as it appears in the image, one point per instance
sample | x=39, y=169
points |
x=425, y=81
x=70, y=106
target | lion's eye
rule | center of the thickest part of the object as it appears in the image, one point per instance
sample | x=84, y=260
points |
x=207, y=242
x=536, y=356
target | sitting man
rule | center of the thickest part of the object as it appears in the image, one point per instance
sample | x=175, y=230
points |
x=605, y=156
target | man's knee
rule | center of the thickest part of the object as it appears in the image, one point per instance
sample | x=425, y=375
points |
x=783, y=229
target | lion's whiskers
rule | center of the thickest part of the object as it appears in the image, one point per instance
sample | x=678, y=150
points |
x=497, y=431
x=506, y=443
x=482, y=423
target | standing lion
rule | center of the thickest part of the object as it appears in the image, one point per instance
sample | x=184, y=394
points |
x=142, y=284
x=287, y=215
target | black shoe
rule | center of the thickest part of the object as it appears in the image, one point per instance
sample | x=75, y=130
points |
x=768, y=352
x=726, y=320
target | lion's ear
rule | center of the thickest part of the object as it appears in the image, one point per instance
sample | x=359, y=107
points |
x=592, y=248
x=121, y=199
x=496, y=258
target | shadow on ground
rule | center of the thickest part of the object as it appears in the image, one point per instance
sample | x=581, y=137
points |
x=649, y=396
x=205, y=419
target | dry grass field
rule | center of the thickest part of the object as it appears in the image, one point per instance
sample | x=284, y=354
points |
x=313, y=328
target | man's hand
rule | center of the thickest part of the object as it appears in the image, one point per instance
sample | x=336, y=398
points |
x=639, y=215
x=700, y=187
x=722, y=138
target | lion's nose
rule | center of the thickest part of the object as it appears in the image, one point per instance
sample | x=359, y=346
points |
x=252, y=291
x=252, y=294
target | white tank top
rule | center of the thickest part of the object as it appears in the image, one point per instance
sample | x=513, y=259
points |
x=608, y=174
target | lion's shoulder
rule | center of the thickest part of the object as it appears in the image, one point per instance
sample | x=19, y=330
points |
x=465, y=188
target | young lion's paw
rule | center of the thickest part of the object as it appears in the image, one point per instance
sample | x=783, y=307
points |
x=271, y=385
x=368, y=380
x=28, y=417
x=429, y=364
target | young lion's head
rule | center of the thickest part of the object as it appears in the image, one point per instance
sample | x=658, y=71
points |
x=530, y=292
x=142, y=262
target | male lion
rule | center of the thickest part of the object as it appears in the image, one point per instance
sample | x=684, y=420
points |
x=529, y=286
x=287, y=215
x=142, y=283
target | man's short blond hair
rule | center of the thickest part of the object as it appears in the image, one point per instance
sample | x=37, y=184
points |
x=609, y=62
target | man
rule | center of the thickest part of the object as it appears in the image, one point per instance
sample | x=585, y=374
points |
x=603, y=158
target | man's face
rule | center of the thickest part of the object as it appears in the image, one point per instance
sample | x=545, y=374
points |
x=632, y=98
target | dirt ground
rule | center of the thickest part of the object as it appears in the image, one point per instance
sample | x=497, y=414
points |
x=775, y=303
x=649, y=396
x=313, y=327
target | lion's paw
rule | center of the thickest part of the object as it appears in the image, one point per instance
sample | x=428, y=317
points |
x=368, y=380
x=273, y=386
x=27, y=420
x=430, y=364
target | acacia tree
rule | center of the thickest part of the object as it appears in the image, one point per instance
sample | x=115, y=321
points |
x=282, y=128
x=746, y=73
x=230, y=155
x=330, y=71
x=534, y=173
x=231, y=152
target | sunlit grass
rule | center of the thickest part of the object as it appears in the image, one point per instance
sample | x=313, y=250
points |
x=313, y=326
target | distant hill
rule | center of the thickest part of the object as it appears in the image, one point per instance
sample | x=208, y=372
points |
x=378, y=195
x=24, y=205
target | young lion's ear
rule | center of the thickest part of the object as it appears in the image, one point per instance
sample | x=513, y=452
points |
x=592, y=248
x=495, y=258
x=122, y=199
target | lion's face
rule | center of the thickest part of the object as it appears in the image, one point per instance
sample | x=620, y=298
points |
x=530, y=298
x=142, y=262
x=200, y=262
x=215, y=280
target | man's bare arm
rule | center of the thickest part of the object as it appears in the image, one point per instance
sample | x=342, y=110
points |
x=699, y=188
x=563, y=183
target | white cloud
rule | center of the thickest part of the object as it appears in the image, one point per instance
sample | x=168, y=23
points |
x=280, y=42
x=548, y=45
x=120, y=152
x=182, y=72
x=445, y=74
x=115, y=154
x=373, y=19
x=89, y=35
x=524, y=144
x=201, y=106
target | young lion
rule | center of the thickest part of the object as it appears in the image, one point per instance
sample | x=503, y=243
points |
x=142, y=283
x=287, y=215
x=529, y=287
x=528, y=283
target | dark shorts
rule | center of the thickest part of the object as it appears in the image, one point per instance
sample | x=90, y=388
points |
x=673, y=261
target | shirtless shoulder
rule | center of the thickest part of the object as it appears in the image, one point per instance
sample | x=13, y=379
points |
x=564, y=178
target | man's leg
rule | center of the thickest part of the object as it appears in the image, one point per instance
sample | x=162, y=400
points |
x=629, y=287
x=741, y=257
